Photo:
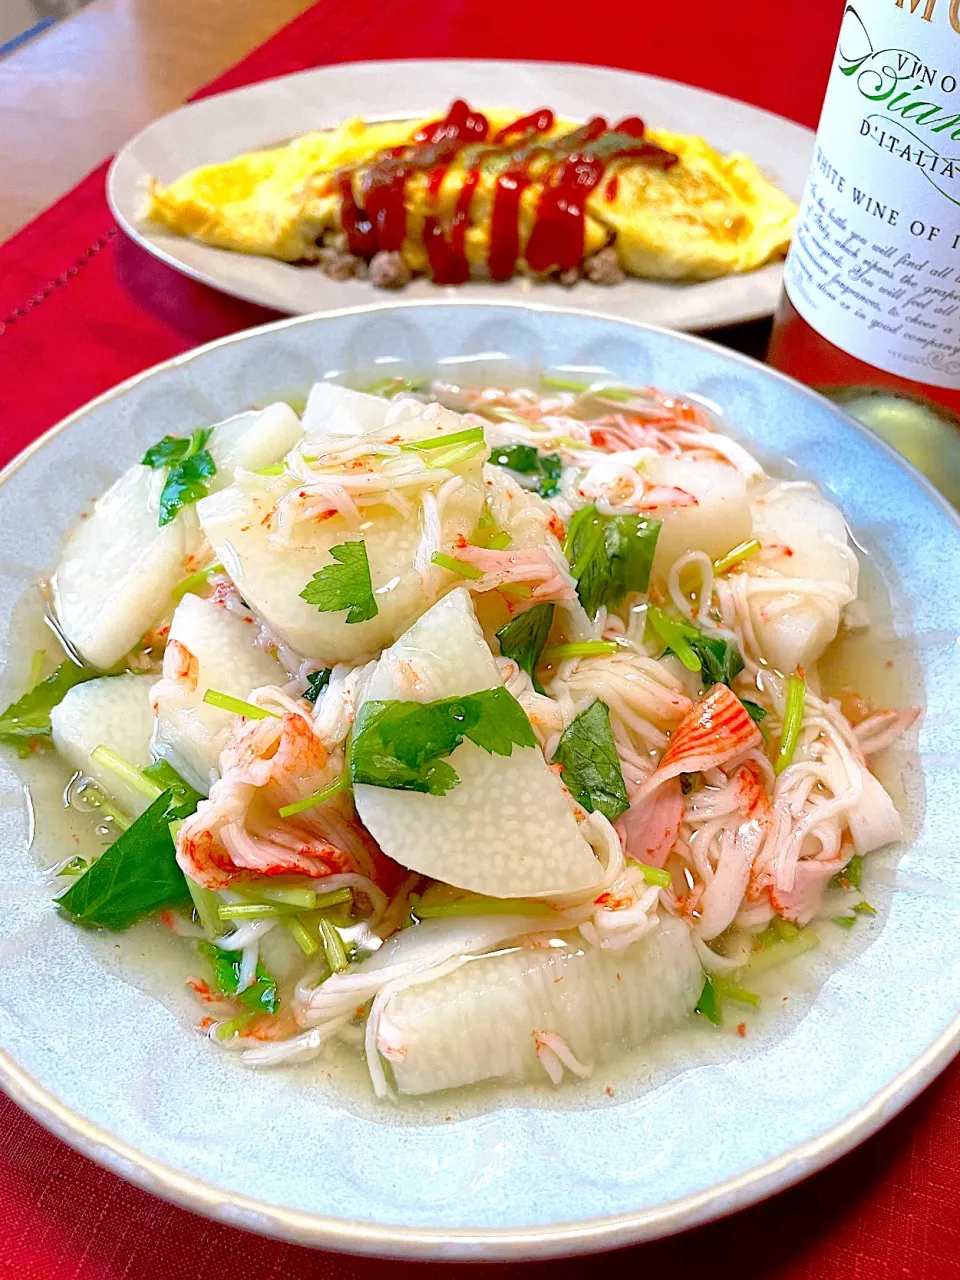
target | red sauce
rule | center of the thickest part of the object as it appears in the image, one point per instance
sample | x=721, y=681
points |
x=505, y=223
x=611, y=189
x=569, y=167
x=632, y=125
x=541, y=121
x=459, y=125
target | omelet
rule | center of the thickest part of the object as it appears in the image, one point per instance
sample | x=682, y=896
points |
x=487, y=196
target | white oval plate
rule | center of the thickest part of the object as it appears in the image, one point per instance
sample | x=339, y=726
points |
x=265, y=114
x=722, y=1121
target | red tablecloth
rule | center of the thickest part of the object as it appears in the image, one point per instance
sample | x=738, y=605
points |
x=81, y=308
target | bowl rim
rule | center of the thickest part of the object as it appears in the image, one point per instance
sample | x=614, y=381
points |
x=481, y=1244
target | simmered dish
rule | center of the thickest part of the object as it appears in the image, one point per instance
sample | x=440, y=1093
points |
x=479, y=727
x=485, y=196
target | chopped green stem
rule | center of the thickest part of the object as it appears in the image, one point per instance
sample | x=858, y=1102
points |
x=124, y=770
x=742, y=551
x=554, y=382
x=728, y=990
x=500, y=541
x=781, y=952
x=864, y=909
x=454, y=456
x=303, y=899
x=444, y=561
x=472, y=435
x=226, y=702
x=335, y=898
x=518, y=589
x=206, y=904
x=302, y=936
x=333, y=947
x=673, y=633
x=388, y=387
x=652, y=875
x=792, y=723
x=579, y=649
x=174, y=828
x=708, y=1006
x=623, y=394
x=503, y=414
x=277, y=469
x=195, y=581
x=94, y=798
x=233, y=1026
x=253, y=911
x=318, y=797
x=482, y=907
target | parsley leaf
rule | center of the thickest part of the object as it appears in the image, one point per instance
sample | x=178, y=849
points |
x=525, y=460
x=345, y=585
x=720, y=660
x=139, y=872
x=753, y=710
x=29, y=716
x=317, y=682
x=610, y=556
x=183, y=798
x=588, y=756
x=399, y=745
x=260, y=995
x=191, y=467
x=523, y=638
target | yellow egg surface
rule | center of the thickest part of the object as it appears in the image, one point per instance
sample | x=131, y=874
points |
x=706, y=216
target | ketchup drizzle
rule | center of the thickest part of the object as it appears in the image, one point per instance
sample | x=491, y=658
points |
x=568, y=168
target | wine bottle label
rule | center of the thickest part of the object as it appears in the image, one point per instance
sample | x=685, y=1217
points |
x=875, y=263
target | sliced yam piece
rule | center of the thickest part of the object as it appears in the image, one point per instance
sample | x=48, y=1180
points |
x=507, y=828
x=714, y=523
x=482, y=1021
x=114, y=712
x=208, y=648
x=270, y=572
x=253, y=440
x=119, y=566
x=804, y=537
x=333, y=412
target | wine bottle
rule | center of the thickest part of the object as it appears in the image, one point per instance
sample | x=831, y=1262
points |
x=870, y=311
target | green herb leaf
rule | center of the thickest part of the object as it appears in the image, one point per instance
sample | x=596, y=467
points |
x=317, y=682
x=29, y=716
x=753, y=710
x=261, y=995
x=136, y=875
x=720, y=660
x=191, y=467
x=709, y=1004
x=591, y=766
x=344, y=585
x=524, y=637
x=399, y=745
x=172, y=450
x=184, y=799
x=525, y=460
x=610, y=556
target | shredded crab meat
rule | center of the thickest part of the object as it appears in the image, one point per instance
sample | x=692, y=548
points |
x=536, y=569
x=269, y=764
x=555, y=1055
